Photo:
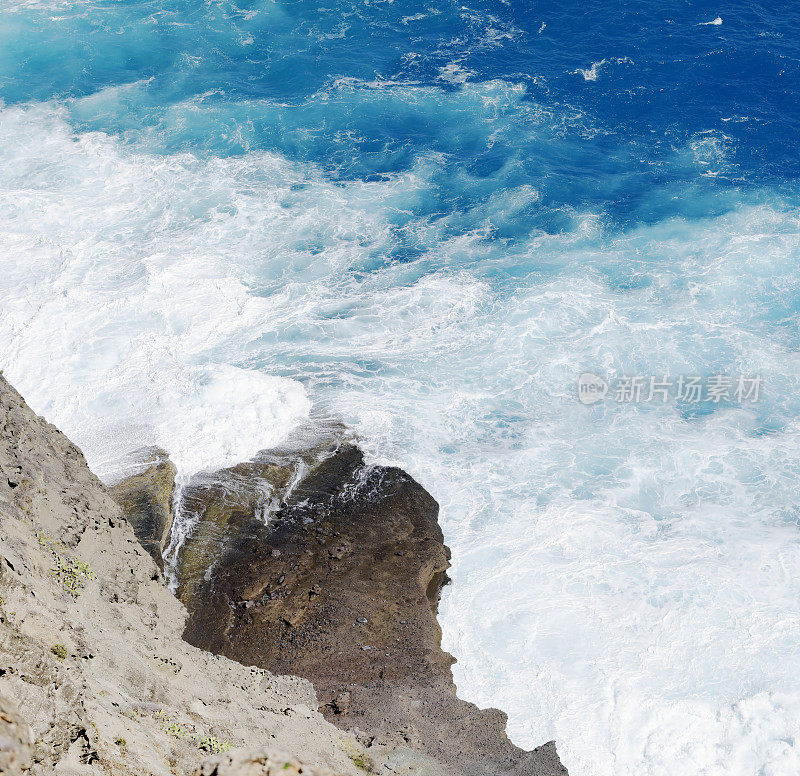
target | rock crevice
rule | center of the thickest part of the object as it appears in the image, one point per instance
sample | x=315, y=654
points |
x=146, y=498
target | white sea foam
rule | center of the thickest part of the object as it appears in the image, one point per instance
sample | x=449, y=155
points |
x=119, y=303
x=455, y=74
x=413, y=18
x=624, y=577
x=590, y=73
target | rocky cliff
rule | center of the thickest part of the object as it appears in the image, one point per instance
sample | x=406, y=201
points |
x=94, y=675
x=302, y=561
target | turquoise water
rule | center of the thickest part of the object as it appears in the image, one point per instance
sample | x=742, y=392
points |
x=219, y=221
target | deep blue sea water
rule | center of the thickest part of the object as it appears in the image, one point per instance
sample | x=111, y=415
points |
x=218, y=220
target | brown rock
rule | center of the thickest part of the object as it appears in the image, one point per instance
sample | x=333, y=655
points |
x=349, y=603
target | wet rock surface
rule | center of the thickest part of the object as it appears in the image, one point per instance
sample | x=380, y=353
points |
x=304, y=561
x=146, y=500
x=338, y=582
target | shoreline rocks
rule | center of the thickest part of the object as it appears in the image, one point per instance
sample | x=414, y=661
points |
x=339, y=584
x=303, y=561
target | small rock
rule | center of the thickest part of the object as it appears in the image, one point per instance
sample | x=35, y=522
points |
x=341, y=703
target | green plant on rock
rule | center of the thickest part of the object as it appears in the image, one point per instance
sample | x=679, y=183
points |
x=121, y=743
x=212, y=744
x=70, y=573
x=60, y=651
x=176, y=730
x=359, y=761
x=357, y=757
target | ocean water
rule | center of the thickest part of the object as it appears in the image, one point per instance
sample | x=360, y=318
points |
x=219, y=220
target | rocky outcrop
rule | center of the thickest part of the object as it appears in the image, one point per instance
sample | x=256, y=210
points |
x=303, y=561
x=91, y=651
x=313, y=563
x=146, y=499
